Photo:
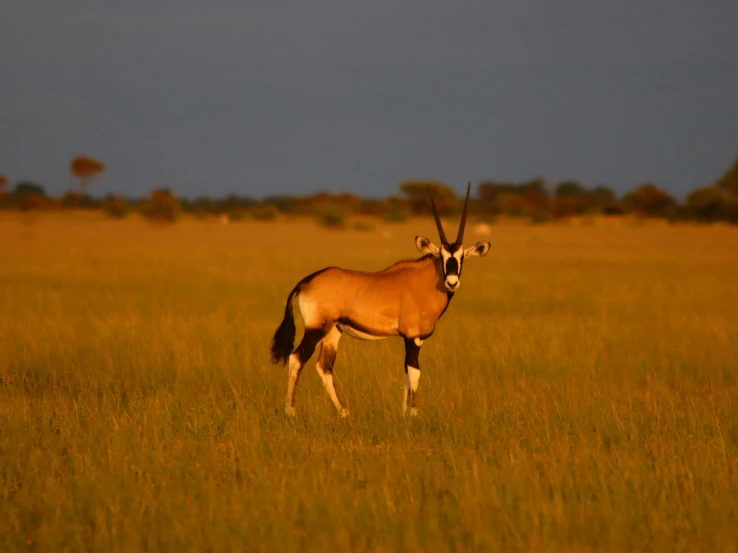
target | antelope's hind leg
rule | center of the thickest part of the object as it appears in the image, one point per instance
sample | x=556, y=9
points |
x=412, y=374
x=328, y=351
x=299, y=357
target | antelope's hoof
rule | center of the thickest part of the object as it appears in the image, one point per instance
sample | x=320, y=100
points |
x=290, y=411
x=343, y=413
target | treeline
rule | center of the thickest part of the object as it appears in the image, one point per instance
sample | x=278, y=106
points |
x=536, y=199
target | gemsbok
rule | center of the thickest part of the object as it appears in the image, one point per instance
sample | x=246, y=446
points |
x=405, y=300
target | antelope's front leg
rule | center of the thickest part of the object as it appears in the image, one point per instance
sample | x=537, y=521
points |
x=412, y=374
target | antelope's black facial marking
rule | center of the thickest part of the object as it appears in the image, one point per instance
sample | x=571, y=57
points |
x=452, y=258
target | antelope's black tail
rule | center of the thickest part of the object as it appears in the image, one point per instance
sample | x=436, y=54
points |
x=284, y=337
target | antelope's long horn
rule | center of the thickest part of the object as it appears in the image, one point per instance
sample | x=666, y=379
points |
x=460, y=236
x=438, y=220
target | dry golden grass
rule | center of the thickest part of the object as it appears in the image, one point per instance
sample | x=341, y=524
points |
x=580, y=394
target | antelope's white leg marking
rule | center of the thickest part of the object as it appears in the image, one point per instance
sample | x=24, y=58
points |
x=418, y=342
x=294, y=373
x=412, y=376
x=328, y=351
x=327, y=379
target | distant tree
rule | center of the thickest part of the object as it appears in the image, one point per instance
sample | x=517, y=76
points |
x=418, y=200
x=266, y=212
x=395, y=212
x=571, y=198
x=535, y=195
x=371, y=206
x=349, y=201
x=162, y=206
x=602, y=195
x=85, y=169
x=489, y=190
x=232, y=202
x=509, y=203
x=200, y=207
x=4, y=183
x=704, y=204
x=570, y=189
x=710, y=204
x=728, y=183
x=27, y=196
x=74, y=199
x=28, y=188
x=285, y=204
x=331, y=215
x=650, y=200
x=115, y=207
x=603, y=200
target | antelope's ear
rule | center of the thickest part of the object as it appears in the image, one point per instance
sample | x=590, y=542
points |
x=480, y=249
x=426, y=246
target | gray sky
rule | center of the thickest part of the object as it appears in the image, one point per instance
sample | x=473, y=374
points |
x=264, y=97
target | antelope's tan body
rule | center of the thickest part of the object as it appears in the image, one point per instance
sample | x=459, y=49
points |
x=406, y=299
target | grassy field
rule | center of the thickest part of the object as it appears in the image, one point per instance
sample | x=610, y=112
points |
x=580, y=394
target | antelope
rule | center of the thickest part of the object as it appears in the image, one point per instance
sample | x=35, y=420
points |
x=404, y=300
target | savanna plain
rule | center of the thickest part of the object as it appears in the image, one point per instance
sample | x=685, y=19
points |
x=580, y=393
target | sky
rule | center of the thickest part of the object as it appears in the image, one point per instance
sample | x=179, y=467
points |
x=265, y=97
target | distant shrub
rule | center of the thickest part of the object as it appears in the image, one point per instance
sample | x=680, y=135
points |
x=539, y=217
x=266, y=212
x=613, y=209
x=396, y=214
x=32, y=202
x=236, y=215
x=331, y=216
x=363, y=226
x=200, y=214
x=162, y=206
x=115, y=207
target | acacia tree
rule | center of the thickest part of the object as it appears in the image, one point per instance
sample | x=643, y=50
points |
x=85, y=169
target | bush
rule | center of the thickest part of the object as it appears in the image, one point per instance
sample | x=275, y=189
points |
x=32, y=202
x=163, y=206
x=710, y=204
x=541, y=216
x=396, y=214
x=266, y=212
x=201, y=214
x=236, y=215
x=363, y=226
x=331, y=216
x=613, y=209
x=115, y=208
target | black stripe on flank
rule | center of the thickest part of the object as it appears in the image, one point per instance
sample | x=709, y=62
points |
x=348, y=321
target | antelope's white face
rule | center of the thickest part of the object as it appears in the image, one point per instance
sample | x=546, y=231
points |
x=452, y=258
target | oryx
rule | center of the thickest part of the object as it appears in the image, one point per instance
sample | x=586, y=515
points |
x=405, y=300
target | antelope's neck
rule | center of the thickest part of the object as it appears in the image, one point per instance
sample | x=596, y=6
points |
x=434, y=272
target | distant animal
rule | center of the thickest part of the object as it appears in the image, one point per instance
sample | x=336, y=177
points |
x=482, y=229
x=407, y=299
